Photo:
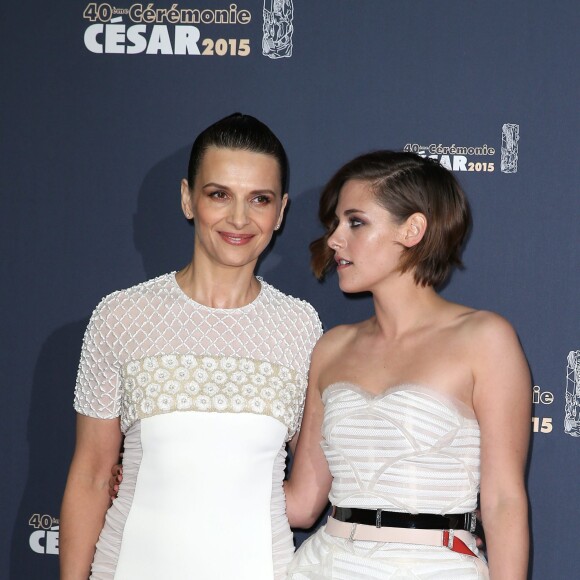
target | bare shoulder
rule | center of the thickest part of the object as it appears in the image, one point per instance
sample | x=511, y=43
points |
x=498, y=362
x=332, y=343
x=335, y=338
x=486, y=329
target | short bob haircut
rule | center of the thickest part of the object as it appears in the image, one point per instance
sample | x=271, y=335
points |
x=404, y=184
x=238, y=131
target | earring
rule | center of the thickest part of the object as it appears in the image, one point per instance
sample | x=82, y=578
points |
x=276, y=227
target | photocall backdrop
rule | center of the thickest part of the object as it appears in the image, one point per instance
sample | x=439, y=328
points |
x=101, y=102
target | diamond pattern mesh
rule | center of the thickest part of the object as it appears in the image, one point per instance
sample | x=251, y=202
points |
x=156, y=318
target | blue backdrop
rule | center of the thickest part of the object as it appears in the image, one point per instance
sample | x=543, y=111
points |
x=100, y=103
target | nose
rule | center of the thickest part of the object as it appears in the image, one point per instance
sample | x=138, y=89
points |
x=335, y=241
x=239, y=214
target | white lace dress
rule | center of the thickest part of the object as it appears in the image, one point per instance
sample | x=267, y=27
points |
x=207, y=399
x=405, y=450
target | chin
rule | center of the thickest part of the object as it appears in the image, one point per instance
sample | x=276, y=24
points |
x=351, y=288
x=238, y=258
x=238, y=263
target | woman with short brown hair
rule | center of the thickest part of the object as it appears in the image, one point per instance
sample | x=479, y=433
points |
x=413, y=412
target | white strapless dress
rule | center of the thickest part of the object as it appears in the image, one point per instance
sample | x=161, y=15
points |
x=408, y=449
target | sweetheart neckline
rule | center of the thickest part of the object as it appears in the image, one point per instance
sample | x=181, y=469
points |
x=448, y=400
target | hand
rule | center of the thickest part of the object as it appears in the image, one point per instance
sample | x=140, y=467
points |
x=115, y=480
x=479, y=534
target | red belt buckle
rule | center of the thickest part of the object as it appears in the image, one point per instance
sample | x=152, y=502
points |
x=455, y=544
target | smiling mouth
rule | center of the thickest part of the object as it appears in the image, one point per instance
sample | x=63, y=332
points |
x=342, y=263
x=236, y=239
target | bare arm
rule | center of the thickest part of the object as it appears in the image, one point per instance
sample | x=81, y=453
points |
x=502, y=402
x=86, y=498
x=310, y=479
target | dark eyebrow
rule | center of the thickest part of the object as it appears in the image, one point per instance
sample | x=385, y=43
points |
x=348, y=212
x=213, y=184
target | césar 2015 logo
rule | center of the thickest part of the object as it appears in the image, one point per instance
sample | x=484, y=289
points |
x=539, y=397
x=154, y=30
x=44, y=540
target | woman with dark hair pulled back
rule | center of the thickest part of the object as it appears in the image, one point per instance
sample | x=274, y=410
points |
x=204, y=372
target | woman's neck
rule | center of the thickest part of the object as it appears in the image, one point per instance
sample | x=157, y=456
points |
x=403, y=306
x=218, y=286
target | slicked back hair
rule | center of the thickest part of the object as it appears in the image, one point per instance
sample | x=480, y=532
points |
x=238, y=131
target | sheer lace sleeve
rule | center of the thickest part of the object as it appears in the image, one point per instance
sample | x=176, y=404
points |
x=97, y=392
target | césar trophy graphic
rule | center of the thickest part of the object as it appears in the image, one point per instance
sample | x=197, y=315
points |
x=278, y=28
x=510, y=135
x=572, y=409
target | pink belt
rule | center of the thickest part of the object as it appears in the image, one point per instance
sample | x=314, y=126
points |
x=455, y=540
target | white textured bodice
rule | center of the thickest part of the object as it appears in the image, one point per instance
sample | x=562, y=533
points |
x=408, y=449
x=151, y=349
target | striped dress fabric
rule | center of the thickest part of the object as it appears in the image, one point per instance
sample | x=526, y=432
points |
x=408, y=449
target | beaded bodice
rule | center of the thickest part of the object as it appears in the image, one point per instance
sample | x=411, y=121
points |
x=151, y=350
